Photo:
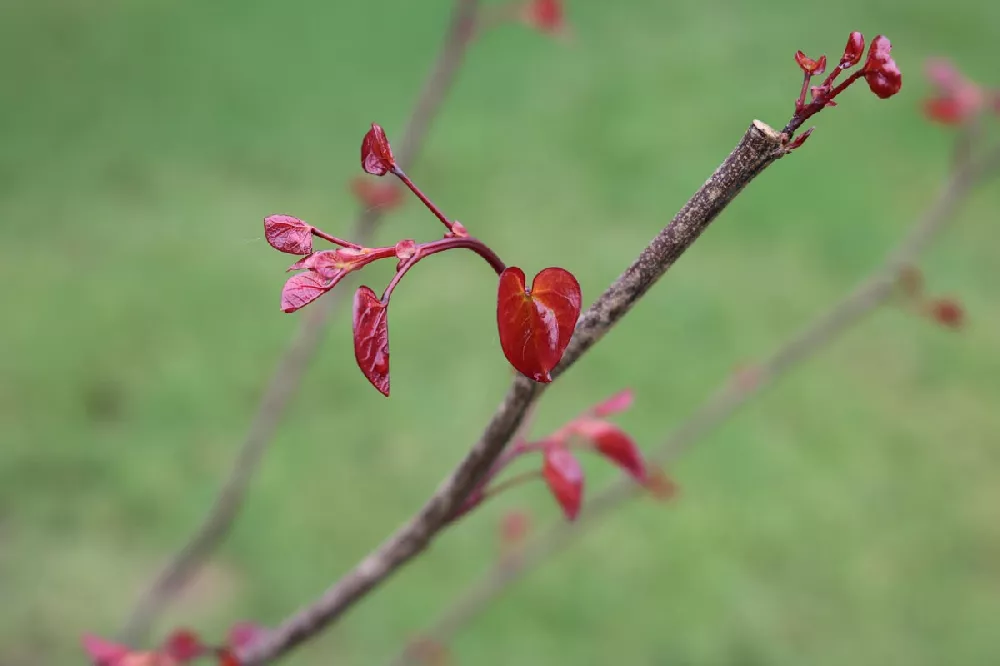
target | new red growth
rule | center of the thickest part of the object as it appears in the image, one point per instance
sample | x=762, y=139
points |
x=535, y=326
x=880, y=71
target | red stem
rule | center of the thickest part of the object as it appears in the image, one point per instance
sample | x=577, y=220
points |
x=427, y=249
x=420, y=195
x=333, y=239
x=803, y=114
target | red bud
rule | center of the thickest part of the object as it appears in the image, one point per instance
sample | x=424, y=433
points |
x=183, y=645
x=883, y=76
x=102, y=652
x=545, y=15
x=808, y=65
x=853, y=51
x=946, y=312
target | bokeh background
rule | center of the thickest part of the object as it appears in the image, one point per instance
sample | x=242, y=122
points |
x=849, y=516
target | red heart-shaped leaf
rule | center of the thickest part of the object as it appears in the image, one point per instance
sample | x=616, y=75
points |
x=376, y=155
x=288, y=234
x=565, y=478
x=614, y=444
x=302, y=289
x=536, y=326
x=371, y=338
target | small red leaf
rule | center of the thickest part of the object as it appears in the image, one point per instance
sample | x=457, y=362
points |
x=614, y=444
x=371, y=338
x=536, y=326
x=102, y=652
x=808, y=65
x=617, y=403
x=565, y=478
x=853, y=51
x=288, y=234
x=376, y=154
x=243, y=634
x=183, y=645
x=797, y=142
x=302, y=289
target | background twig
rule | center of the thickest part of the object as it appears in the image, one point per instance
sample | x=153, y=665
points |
x=870, y=294
x=759, y=147
x=292, y=366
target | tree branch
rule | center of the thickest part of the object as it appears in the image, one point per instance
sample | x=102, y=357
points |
x=288, y=374
x=871, y=293
x=759, y=148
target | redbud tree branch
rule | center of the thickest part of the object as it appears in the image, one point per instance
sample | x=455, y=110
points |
x=291, y=368
x=874, y=291
x=758, y=149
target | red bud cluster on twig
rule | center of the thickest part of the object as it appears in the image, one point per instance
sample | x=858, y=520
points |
x=879, y=71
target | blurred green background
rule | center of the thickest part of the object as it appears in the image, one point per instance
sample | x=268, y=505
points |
x=851, y=516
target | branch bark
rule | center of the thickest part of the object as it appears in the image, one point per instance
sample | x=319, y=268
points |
x=292, y=366
x=759, y=147
x=866, y=297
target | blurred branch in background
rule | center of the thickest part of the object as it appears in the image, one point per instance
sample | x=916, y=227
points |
x=758, y=148
x=288, y=374
x=876, y=290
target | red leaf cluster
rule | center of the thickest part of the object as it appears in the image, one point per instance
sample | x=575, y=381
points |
x=181, y=647
x=561, y=470
x=536, y=324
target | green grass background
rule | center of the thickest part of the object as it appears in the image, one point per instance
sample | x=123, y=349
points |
x=850, y=516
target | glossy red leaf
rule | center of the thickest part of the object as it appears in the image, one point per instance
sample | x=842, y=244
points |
x=302, y=289
x=616, y=404
x=376, y=154
x=183, y=645
x=853, y=51
x=371, y=338
x=564, y=476
x=103, y=652
x=614, y=444
x=536, y=326
x=288, y=234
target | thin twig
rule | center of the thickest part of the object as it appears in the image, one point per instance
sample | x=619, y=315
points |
x=759, y=147
x=871, y=293
x=288, y=374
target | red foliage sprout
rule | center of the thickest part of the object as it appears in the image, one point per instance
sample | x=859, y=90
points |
x=182, y=647
x=956, y=99
x=535, y=324
x=561, y=471
x=879, y=71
